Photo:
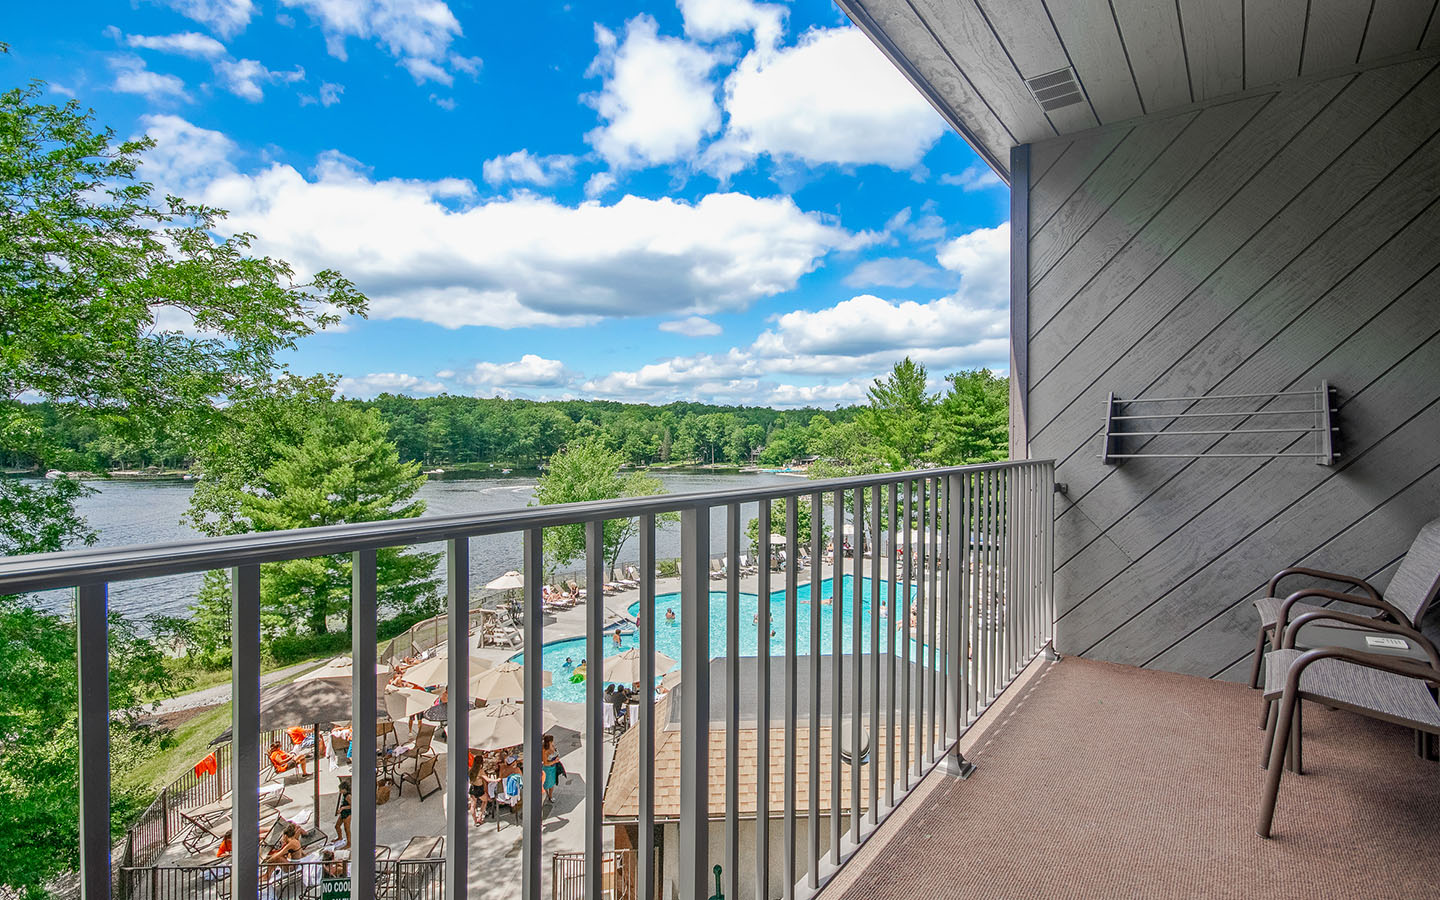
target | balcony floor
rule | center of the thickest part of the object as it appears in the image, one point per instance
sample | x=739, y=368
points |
x=1100, y=780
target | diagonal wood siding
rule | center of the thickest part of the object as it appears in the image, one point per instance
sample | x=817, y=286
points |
x=1258, y=244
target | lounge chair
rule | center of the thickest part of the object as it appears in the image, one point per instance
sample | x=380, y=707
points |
x=424, y=768
x=1411, y=591
x=1381, y=687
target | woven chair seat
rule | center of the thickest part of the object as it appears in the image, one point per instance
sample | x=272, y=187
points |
x=1400, y=699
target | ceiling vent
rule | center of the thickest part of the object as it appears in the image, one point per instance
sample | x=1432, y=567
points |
x=1055, y=89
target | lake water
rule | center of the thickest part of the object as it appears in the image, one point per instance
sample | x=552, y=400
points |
x=131, y=512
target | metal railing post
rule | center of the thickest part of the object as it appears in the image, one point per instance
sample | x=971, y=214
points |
x=731, y=870
x=762, y=708
x=594, y=711
x=245, y=730
x=694, y=705
x=364, y=606
x=532, y=684
x=457, y=717
x=92, y=608
x=647, y=706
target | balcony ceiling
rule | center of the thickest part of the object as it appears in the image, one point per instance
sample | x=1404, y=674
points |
x=982, y=63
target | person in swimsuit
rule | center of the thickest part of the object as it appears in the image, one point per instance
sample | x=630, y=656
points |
x=478, y=800
x=670, y=615
x=288, y=850
x=342, y=813
x=549, y=765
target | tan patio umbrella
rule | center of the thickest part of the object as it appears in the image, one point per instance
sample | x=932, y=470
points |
x=436, y=670
x=670, y=680
x=504, y=682
x=507, y=582
x=415, y=702
x=342, y=668
x=625, y=667
x=503, y=725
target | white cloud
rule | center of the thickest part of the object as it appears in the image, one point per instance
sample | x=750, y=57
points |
x=131, y=77
x=429, y=250
x=710, y=20
x=692, y=326
x=62, y=90
x=891, y=272
x=524, y=167
x=367, y=386
x=446, y=103
x=657, y=101
x=329, y=95
x=416, y=32
x=185, y=157
x=831, y=98
x=598, y=185
x=189, y=43
x=975, y=178
x=530, y=371
x=855, y=340
x=225, y=17
x=982, y=258
x=244, y=77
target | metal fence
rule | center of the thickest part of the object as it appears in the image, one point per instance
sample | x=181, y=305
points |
x=408, y=879
x=969, y=598
x=617, y=875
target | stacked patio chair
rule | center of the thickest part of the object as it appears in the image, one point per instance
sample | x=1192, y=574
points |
x=1412, y=590
x=1380, y=687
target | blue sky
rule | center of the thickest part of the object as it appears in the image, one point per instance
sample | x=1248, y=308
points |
x=716, y=200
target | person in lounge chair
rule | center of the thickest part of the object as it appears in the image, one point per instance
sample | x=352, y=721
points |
x=288, y=851
x=284, y=762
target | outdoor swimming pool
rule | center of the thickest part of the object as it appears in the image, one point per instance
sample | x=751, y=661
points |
x=667, y=634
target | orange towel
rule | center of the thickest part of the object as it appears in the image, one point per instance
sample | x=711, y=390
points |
x=205, y=766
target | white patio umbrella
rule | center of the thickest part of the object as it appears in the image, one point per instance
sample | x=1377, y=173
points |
x=436, y=670
x=504, y=682
x=507, y=582
x=503, y=725
x=670, y=680
x=625, y=667
x=415, y=702
x=777, y=538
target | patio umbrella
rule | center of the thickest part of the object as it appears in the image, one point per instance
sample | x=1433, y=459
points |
x=503, y=725
x=507, y=582
x=670, y=680
x=415, y=702
x=777, y=538
x=436, y=670
x=625, y=667
x=342, y=668
x=504, y=682
x=314, y=702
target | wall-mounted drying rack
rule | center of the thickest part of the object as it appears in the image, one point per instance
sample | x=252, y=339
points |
x=1319, y=415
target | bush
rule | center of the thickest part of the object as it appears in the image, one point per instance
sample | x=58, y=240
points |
x=289, y=648
x=668, y=568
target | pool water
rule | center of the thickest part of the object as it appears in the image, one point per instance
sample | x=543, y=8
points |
x=667, y=633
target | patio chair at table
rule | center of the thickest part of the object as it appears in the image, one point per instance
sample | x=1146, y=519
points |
x=419, y=747
x=515, y=802
x=1412, y=589
x=1380, y=687
x=385, y=732
x=424, y=768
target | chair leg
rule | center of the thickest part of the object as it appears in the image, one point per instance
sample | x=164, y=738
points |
x=1295, y=732
x=1276, y=766
x=1265, y=713
x=1272, y=710
x=1259, y=656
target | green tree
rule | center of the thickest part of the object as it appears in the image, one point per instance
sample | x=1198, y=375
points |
x=588, y=470
x=900, y=412
x=343, y=469
x=973, y=419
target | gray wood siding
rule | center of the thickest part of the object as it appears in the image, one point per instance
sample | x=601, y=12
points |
x=1259, y=243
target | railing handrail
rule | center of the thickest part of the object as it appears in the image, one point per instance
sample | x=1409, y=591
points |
x=90, y=566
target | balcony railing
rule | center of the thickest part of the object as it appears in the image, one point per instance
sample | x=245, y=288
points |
x=967, y=551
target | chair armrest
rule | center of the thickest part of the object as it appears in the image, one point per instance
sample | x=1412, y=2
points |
x=1272, y=587
x=1364, y=622
x=1376, y=603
